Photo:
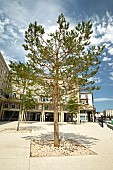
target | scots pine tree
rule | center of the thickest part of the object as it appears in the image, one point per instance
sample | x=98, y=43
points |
x=64, y=55
x=23, y=80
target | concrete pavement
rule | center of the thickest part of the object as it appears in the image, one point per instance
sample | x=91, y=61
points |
x=15, y=147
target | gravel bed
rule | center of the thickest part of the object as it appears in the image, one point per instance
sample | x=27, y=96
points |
x=41, y=148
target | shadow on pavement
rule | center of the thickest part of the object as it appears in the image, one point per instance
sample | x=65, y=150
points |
x=84, y=140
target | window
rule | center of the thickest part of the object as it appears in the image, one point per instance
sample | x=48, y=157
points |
x=65, y=108
x=46, y=107
x=39, y=107
x=52, y=107
x=45, y=99
x=86, y=96
x=13, y=106
x=23, y=80
x=14, y=95
x=40, y=99
x=82, y=111
x=87, y=100
x=83, y=101
x=66, y=99
x=82, y=118
x=6, y=105
x=33, y=106
x=19, y=106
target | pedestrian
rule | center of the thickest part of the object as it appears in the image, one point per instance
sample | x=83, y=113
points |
x=102, y=121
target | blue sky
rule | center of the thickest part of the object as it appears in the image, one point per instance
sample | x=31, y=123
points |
x=15, y=16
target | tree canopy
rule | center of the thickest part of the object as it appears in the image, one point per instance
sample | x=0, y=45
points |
x=65, y=55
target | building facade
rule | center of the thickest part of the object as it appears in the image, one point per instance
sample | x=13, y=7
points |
x=88, y=112
x=43, y=110
x=3, y=76
x=108, y=113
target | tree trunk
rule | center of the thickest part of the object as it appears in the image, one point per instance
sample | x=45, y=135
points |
x=56, y=128
x=18, y=125
x=1, y=110
x=19, y=119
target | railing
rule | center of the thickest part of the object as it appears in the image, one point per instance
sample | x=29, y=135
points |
x=110, y=125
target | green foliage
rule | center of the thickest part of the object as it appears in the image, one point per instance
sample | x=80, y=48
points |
x=63, y=56
x=7, y=89
x=23, y=80
x=73, y=106
x=76, y=57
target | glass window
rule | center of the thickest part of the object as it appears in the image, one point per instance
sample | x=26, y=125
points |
x=39, y=107
x=14, y=95
x=6, y=105
x=13, y=106
x=82, y=117
x=34, y=107
x=46, y=107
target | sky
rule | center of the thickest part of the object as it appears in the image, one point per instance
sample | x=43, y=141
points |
x=16, y=15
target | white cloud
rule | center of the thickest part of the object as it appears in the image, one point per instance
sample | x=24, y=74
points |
x=111, y=78
x=96, y=41
x=22, y=13
x=12, y=32
x=110, y=65
x=102, y=32
x=106, y=59
x=95, y=79
x=3, y=37
x=110, y=50
x=15, y=17
x=107, y=45
x=21, y=30
x=111, y=73
x=7, y=31
x=102, y=99
x=1, y=27
x=104, y=53
x=101, y=29
x=15, y=12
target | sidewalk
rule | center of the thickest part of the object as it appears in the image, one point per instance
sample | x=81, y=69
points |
x=98, y=139
x=15, y=147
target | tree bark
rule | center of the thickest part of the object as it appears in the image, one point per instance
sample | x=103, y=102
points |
x=56, y=128
x=18, y=124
